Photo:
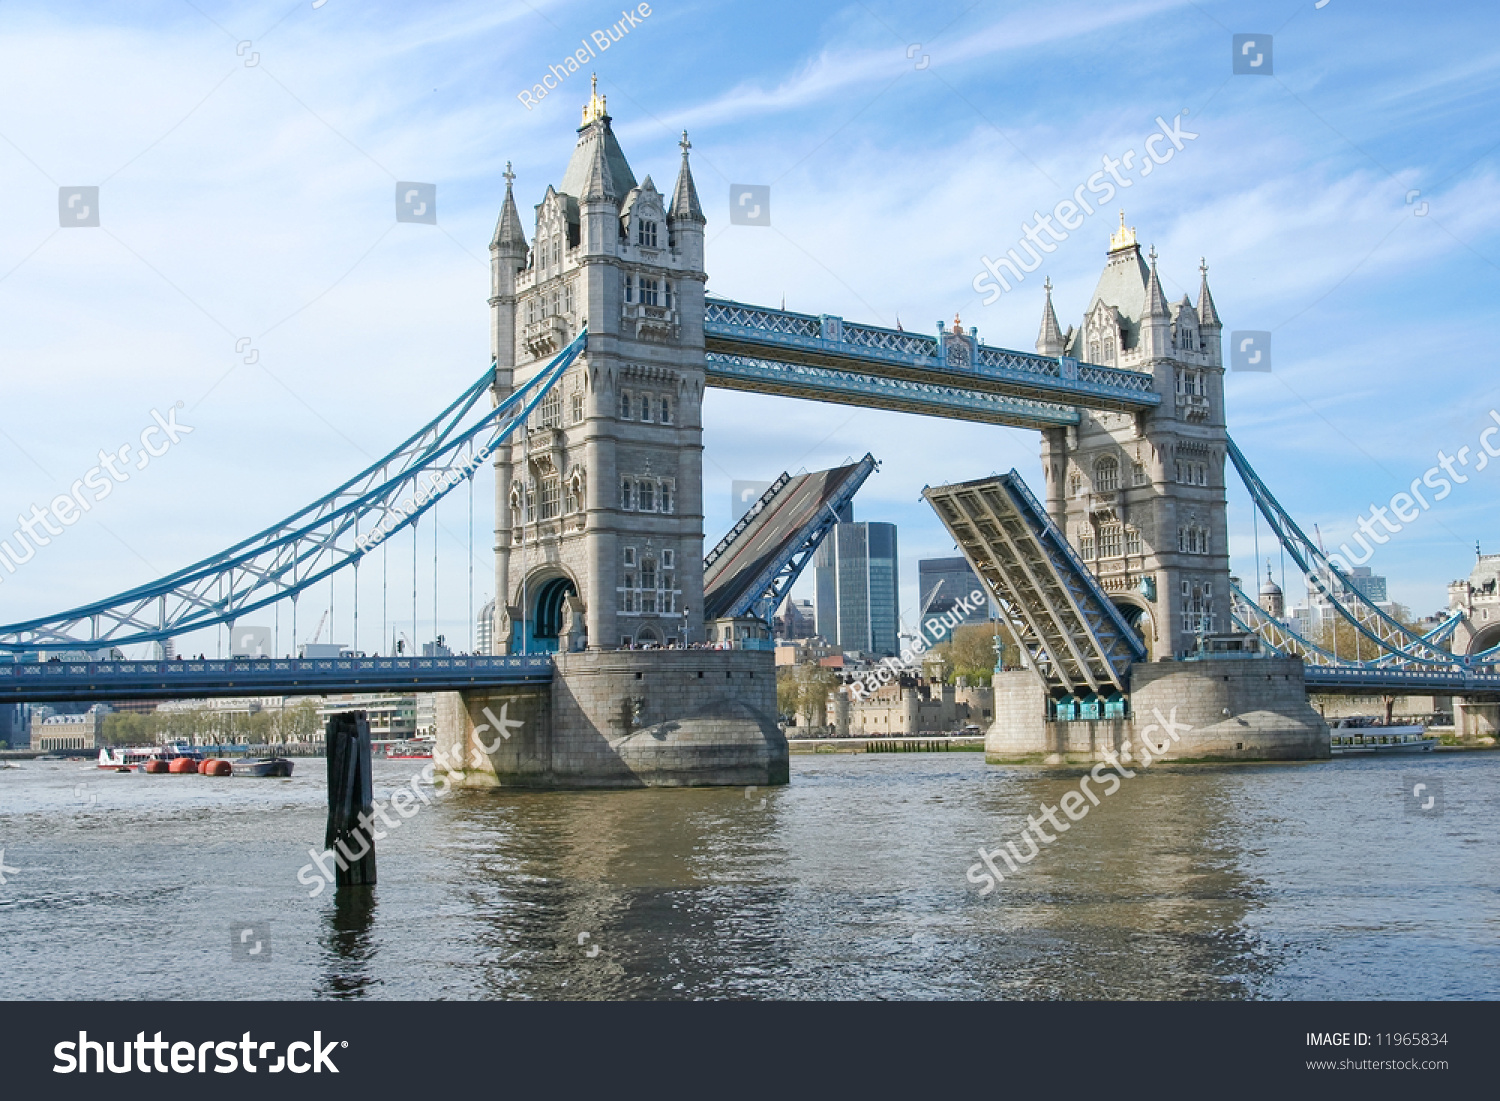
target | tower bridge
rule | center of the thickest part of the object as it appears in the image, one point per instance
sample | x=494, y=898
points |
x=1115, y=583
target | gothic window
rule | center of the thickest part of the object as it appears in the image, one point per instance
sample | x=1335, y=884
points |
x=556, y=252
x=668, y=561
x=645, y=496
x=1192, y=539
x=1110, y=541
x=646, y=234
x=624, y=405
x=577, y=407
x=1106, y=475
x=1132, y=541
x=630, y=556
x=669, y=299
x=648, y=292
x=629, y=287
x=1094, y=350
x=1109, y=352
x=666, y=411
x=1075, y=484
x=648, y=573
x=646, y=408
x=1138, y=474
x=550, y=411
x=1086, y=546
x=531, y=502
x=666, y=500
x=627, y=494
x=551, y=497
x=568, y=297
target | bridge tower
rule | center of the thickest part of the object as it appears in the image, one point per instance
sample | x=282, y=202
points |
x=599, y=503
x=1141, y=496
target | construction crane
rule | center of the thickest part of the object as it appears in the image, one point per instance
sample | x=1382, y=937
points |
x=319, y=632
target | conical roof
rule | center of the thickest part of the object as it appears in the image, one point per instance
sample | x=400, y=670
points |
x=508, y=230
x=685, y=195
x=1050, y=340
x=1207, y=315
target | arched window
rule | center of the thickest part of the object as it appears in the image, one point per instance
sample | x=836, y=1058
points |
x=645, y=493
x=666, y=411
x=646, y=234
x=646, y=404
x=624, y=406
x=627, y=494
x=1106, y=475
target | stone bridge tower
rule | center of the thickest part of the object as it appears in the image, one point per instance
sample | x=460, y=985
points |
x=599, y=503
x=1141, y=496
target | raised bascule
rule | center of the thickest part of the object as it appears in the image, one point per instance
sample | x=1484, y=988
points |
x=1115, y=585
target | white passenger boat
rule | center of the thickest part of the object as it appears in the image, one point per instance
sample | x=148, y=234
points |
x=1360, y=735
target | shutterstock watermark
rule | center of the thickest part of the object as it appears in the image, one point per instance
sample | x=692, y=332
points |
x=1403, y=506
x=1069, y=214
x=911, y=655
x=68, y=508
x=1076, y=804
x=406, y=800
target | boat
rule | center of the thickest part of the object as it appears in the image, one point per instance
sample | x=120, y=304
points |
x=1361, y=736
x=263, y=766
x=133, y=758
x=417, y=749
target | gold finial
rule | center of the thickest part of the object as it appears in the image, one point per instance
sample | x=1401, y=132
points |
x=958, y=326
x=594, y=108
x=1125, y=238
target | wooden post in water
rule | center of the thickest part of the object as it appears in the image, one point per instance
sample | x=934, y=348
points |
x=350, y=795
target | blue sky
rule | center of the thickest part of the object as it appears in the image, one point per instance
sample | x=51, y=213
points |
x=255, y=201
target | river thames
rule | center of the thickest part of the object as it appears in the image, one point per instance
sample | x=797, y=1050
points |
x=1300, y=881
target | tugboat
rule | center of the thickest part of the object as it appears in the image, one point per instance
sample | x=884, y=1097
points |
x=1360, y=735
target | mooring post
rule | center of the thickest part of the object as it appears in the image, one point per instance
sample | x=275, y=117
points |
x=351, y=797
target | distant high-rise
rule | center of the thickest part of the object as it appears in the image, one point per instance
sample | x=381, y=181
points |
x=942, y=582
x=857, y=606
x=796, y=619
x=484, y=629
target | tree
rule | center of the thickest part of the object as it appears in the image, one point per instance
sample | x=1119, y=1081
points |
x=970, y=652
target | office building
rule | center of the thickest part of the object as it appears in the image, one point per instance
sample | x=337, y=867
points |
x=942, y=582
x=857, y=605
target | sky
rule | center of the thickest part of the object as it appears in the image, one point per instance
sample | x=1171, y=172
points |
x=248, y=280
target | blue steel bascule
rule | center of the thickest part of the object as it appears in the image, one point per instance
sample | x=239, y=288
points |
x=1080, y=628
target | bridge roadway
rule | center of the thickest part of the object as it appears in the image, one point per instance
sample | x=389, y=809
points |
x=1442, y=681
x=825, y=358
x=63, y=681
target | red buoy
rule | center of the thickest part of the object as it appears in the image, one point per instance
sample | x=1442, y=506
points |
x=155, y=764
x=182, y=764
x=217, y=768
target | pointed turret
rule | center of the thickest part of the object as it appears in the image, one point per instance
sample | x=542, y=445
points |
x=1156, y=302
x=598, y=181
x=1207, y=315
x=509, y=235
x=1156, y=317
x=685, y=205
x=1049, y=341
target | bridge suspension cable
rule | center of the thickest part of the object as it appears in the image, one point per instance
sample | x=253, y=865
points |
x=313, y=543
x=1394, y=642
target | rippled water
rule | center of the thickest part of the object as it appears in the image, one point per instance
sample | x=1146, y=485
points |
x=1240, y=881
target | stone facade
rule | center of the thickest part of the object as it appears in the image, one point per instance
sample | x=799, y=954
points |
x=1236, y=708
x=599, y=503
x=908, y=709
x=1141, y=496
x=621, y=719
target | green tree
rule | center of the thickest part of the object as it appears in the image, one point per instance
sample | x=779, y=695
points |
x=970, y=652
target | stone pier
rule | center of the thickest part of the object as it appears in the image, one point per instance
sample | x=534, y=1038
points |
x=1234, y=709
x=623, y=719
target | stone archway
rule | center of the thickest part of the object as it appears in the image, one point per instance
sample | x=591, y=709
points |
x=1139, y=618
x=545, y=616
